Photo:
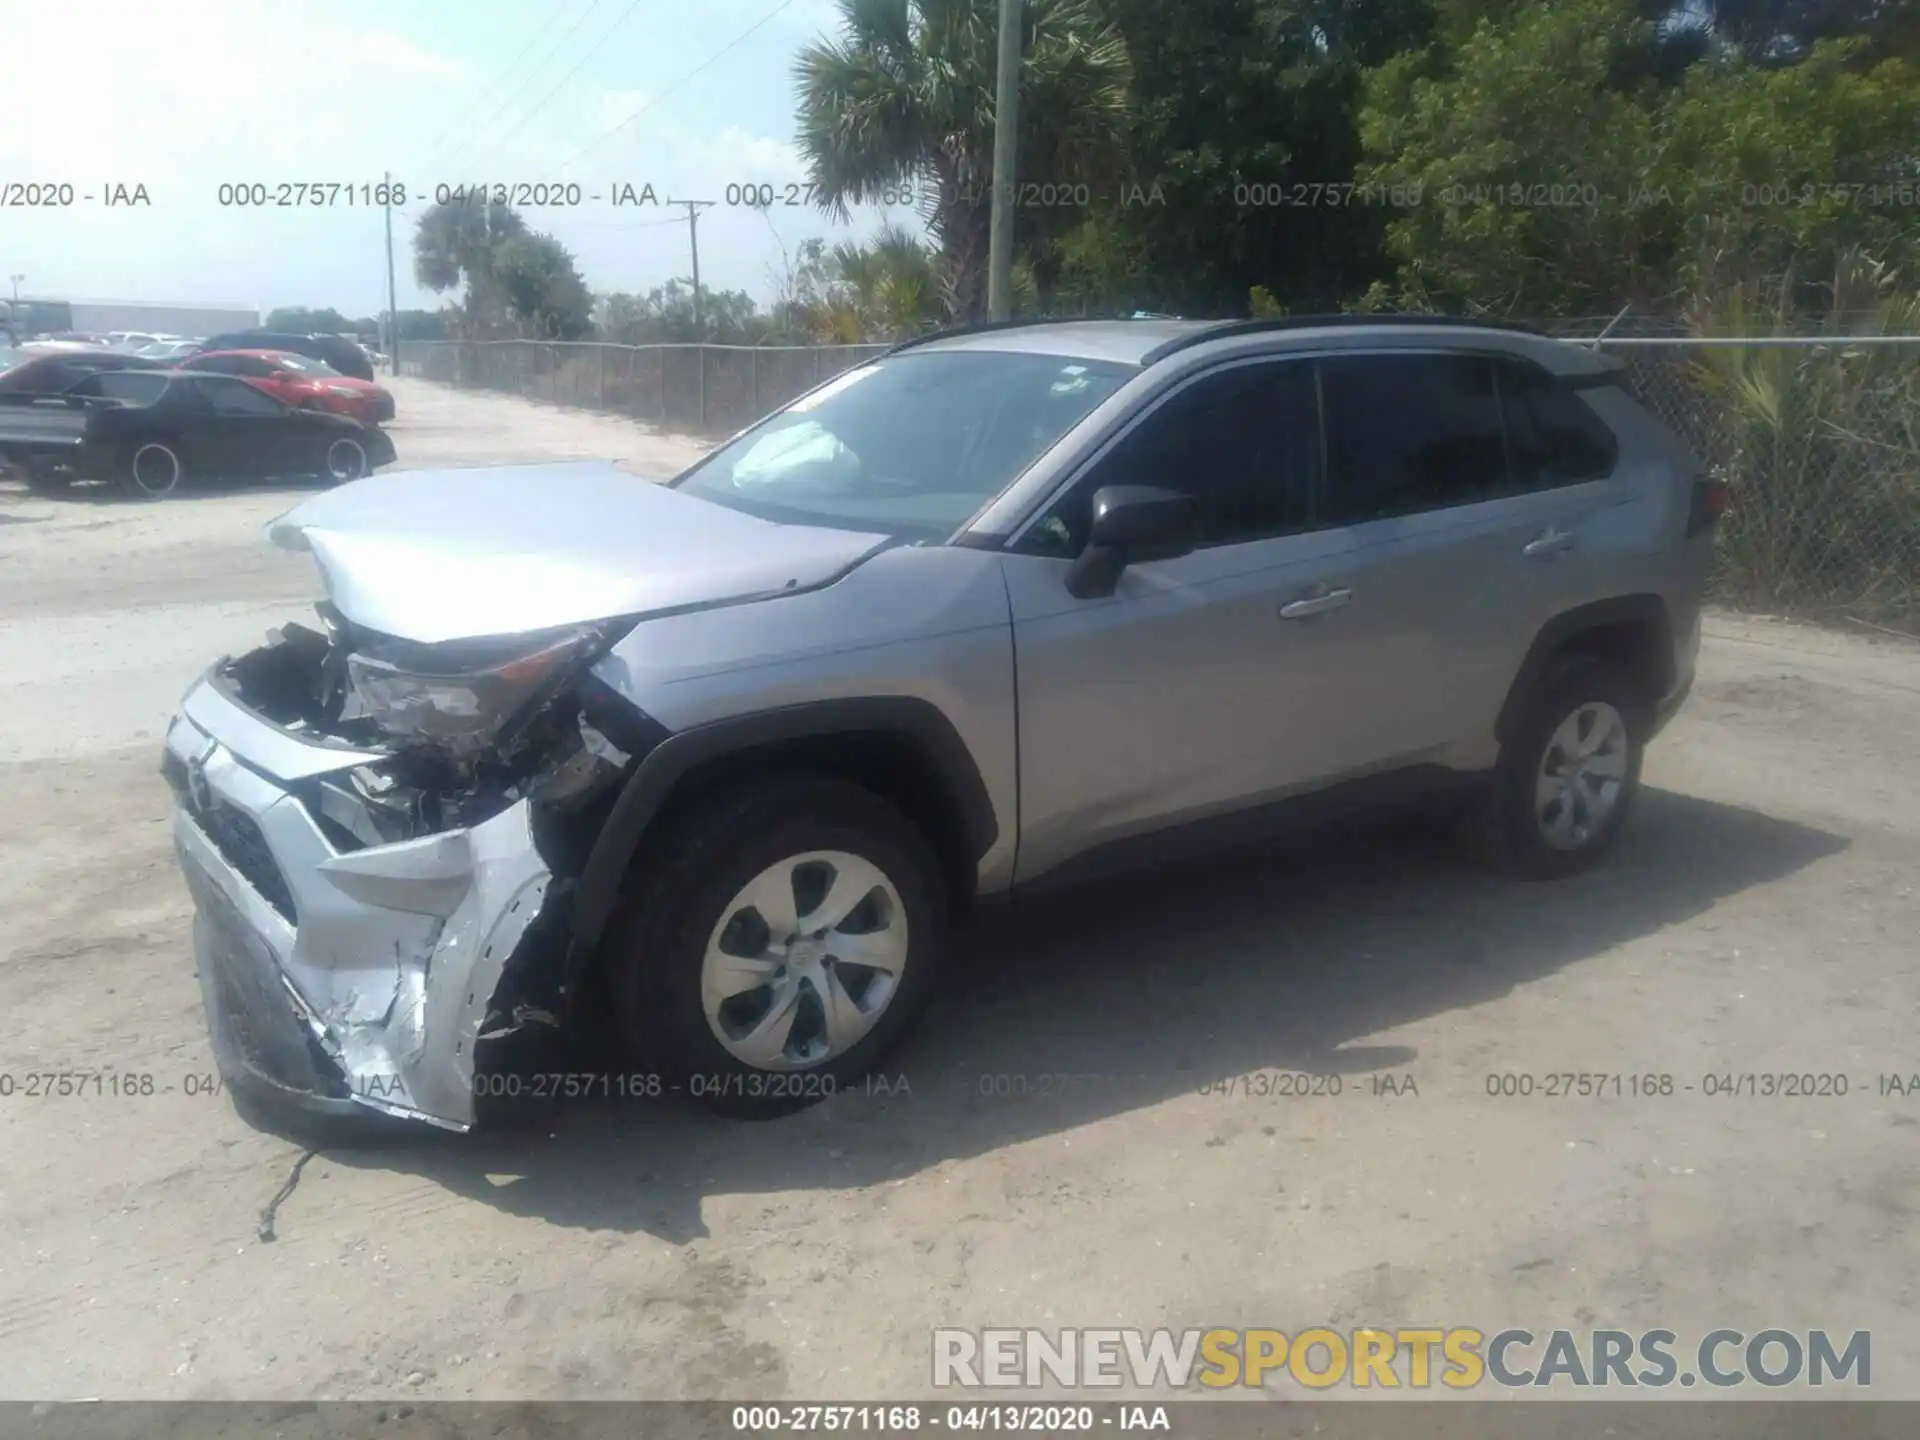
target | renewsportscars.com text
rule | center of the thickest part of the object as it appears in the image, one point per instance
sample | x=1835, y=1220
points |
x=1458, y=1358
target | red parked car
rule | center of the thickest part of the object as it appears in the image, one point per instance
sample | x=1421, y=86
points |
x=302, y=381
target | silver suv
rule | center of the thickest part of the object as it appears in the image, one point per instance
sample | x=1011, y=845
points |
x=1001, y=608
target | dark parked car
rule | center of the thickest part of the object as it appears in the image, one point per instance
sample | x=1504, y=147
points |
x=151, y=431
x=337, y=350
x=59, y=372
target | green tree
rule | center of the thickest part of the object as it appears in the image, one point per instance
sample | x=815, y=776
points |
x=1567, y=166
x=1540, y=177
x=453, y=249
x=300, y=320
x=541, y=287
x=1242, y=144
x=902, y=101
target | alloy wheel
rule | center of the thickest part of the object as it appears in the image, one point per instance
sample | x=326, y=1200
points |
x=804, y=960
x=1581, y=776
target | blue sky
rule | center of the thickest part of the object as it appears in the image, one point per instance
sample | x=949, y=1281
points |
x=183, y=96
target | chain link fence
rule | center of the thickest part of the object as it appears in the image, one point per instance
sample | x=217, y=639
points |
x=696, y=389
x=1818, y=436
x=1818, y=439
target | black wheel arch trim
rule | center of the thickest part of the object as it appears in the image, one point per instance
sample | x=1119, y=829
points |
x=1568, y=626
x=662, y=767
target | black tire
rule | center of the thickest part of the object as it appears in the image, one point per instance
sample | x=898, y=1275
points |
x=1509, y=823
x=657, y=941
x=153, y=470
x=345, y=460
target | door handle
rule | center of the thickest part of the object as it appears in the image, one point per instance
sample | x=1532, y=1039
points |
x=1548, y=544
x=1315, y=605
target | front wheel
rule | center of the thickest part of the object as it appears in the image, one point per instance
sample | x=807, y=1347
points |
x=784, y=943
x=1568, y=774
x=346, y=460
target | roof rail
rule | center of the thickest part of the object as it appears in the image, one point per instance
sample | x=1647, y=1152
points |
x=1227, y=329
x=982, y=327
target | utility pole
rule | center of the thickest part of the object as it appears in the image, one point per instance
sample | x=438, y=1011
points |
x=1006, y=130
x=393, y=313
x=694, y=207
x=13, y=311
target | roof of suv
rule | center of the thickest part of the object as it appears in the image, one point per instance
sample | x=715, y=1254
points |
x=1144, y=342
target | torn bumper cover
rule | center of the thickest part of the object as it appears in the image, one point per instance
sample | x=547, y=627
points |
x=337, y=976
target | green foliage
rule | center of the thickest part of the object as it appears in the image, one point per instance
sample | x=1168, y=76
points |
x=1561, y=173
x=542, y=288
x=665, y=316
x=299, y=320
x=512, y=277
x=1788, y=168
x=1534, y=170
x=1821, y=446
x=901, y=102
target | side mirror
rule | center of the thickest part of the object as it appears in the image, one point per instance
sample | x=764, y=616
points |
x=1131, y=524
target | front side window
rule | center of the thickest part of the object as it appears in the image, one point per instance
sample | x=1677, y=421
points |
x=1244, y=442
x=1409, y=433
x=910, y=445
x=236, y=397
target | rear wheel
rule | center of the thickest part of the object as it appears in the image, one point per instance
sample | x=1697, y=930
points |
x=346, y=460
x=784, y=944
x=153, y=471
x=1567, y=776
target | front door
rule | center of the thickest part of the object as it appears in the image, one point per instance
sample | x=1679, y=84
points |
x=249, y=433
x=1190, y=691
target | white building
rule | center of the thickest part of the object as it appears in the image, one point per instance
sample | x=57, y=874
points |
x=98, y=316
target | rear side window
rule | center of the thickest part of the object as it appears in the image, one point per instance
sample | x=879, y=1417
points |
x=1557, y=438
x=1408, y=433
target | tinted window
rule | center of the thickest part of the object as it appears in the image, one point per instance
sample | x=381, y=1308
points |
x=236, y=397
x=1557, y=438
x=1243, y=442
x=135, y=387
x=1407, y=433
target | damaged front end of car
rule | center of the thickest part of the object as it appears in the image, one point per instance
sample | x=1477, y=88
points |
x=382, y=838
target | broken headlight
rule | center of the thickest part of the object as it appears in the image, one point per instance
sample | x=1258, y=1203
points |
x=460, y=697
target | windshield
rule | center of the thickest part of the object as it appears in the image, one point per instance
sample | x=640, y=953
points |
x=304, y=365
x=909, y=446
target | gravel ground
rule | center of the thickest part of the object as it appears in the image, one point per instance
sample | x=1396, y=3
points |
x=1046, y=1155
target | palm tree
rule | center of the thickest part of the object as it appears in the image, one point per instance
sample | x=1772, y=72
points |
x=894, y=281
x=903, y=101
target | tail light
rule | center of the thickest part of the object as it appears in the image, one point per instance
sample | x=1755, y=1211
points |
x=1710, y=501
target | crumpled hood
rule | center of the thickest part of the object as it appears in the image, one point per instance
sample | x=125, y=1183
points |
x=437, y=555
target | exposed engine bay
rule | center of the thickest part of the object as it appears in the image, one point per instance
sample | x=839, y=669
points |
x=420, y=870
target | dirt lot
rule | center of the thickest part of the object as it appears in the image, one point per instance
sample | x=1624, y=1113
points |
x=1759, y=918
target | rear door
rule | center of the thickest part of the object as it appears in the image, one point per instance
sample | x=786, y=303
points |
x=1420, y=481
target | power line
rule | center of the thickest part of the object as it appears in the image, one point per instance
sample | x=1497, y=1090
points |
x=681, y=83
x=491, y=102
x=501, y=104
x=578, y=67
x=474, y=109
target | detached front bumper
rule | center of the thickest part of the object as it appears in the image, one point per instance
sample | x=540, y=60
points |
x=337, y=979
